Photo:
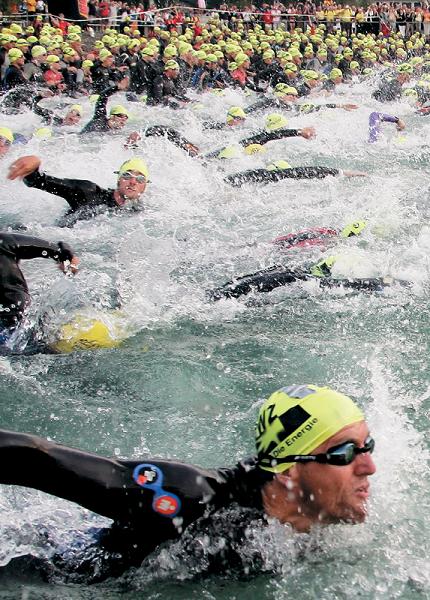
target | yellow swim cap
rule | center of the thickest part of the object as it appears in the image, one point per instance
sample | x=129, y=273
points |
x=87, y=63
x=235, y=112
x=353, y=229
x=323, y=267
x=14, y=54
x=278, y=165
x=275, y=121
x=254, y=149
x=77, y=108
x=134, y=164
x=229, y=152
x=7, y=134
x=298, y=419
x=43, y=133
x=283, y=89
x=52, y=58
x=118, y=109
x=37, y=51
x=171, y=65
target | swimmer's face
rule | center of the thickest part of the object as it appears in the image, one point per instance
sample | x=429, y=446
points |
x=131, y=184
x=117, y=121
x=312, y=83
x=330, y=493
x=108, y=61
x=337, y=80
x=288, y=98
x=72, y=118
x=235, y=121
x=173, y=73
x=4, y=146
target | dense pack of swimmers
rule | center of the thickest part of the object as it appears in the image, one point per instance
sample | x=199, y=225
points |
x=310, y=440
x=288, y=70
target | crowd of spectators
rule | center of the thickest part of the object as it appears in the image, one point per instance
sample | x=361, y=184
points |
x=405, y=19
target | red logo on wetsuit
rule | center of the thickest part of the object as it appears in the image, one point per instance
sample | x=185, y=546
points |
x=166, y=505
x=146, y=477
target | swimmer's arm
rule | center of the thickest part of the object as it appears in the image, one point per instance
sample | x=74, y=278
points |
x=26, y=247
x=76, y=192
x=44, y=113
x=173, y=136
x=266, y=176
x=100, y=108
x=94, y=482
x=269, y=136
x=106, y=485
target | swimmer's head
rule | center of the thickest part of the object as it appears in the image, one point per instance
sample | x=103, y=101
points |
x=16, y=56
x=336, y=76
x=6, y=140
x=254, y=149
x=235, y=115
x=353, y=229
x=133, y=175
x=43, y=133
x=288, y=92
x=278, y=165
x=324, y=267
x=298, y=419
x=275, y=121
x=404, y=72
x=118, y=117
x=136, y=165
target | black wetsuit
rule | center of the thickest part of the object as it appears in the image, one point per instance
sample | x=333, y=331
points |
x=271, y=278
x=266, y=176
x=162, y=90
x=100, y=120
x=261, y=138
x=14, y=295
x=388, y=91
x=86, y=199
x=169, y=133
x=47, y=116
x=104, y=77
x=150, y=500
x=278, y=105
x=13, y=77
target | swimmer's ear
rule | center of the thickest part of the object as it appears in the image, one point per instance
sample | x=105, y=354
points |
x=286, y=479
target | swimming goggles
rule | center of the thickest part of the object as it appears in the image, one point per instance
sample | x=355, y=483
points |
x=341, y=455
x=138, y=178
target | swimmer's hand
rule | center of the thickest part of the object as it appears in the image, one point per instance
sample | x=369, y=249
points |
x=23, y=166
x=133, y=140
x=123, y=84
x=348, y=106
x=400, y=125
x=354, y=173
x=308, y=133
x=191, y=149
x=69, y=267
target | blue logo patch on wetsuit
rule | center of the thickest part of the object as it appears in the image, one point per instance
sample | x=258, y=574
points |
x=150, y=477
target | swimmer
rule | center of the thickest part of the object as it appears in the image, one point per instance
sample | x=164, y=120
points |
x=391, y=88
x=86, y=199
x=14, y=295
x=275, y=129
x=117, y=117
x=318, y=236
x=286, y=97
x=281, y=169
x=72, y=117
x=6, y=141
x=276, y=276
x=311, y=469
x=375, y=120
